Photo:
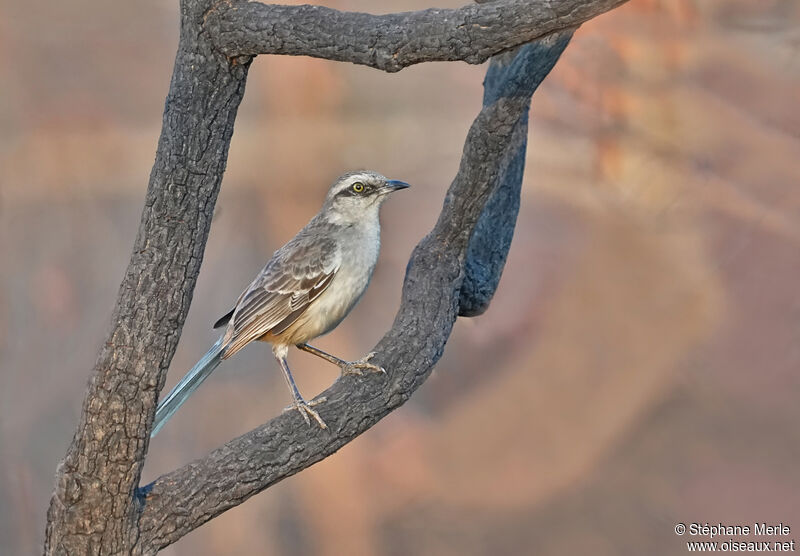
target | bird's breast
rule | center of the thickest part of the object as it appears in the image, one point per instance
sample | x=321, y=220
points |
x=358, y=261
x=358, y=256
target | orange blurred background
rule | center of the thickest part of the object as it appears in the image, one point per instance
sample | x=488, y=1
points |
x=637, y=368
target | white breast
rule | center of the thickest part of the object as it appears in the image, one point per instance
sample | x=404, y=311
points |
x=358, y=252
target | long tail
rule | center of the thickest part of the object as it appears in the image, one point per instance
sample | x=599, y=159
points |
x=187, y=386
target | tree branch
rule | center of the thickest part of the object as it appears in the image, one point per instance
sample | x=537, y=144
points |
x=92, y=506
x=183, y=500
x=96, y=507
x=391, y=42
x=508, y=76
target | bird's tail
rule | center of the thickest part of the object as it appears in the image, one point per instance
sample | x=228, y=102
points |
x=187, y=386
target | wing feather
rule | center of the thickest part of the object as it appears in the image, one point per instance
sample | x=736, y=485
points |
x=295, y=276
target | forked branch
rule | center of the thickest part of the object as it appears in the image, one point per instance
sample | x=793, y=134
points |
x=185, y=499
x=98, y=506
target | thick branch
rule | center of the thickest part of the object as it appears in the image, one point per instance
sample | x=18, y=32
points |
x=93, y=507
x=96, y=507
x=180, y=501
x=517, y=75
x=391, y=42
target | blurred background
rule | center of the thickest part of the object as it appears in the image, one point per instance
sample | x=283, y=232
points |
x=637, y=368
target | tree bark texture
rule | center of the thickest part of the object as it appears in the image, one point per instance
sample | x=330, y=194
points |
x=391, y=42
x=93, y=509
x=98, y=506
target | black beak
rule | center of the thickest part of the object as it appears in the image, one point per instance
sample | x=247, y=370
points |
x=394, y=185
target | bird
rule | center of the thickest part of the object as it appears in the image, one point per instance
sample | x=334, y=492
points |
x=305, y=290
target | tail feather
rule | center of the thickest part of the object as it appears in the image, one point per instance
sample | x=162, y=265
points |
x=187, y=386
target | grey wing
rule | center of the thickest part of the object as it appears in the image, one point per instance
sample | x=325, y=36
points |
x=295, y=276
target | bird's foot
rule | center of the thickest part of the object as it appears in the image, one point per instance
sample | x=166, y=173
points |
x=363, y=364
x=306, y=410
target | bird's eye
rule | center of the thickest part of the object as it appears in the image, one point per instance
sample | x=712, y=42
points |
x=358, y=187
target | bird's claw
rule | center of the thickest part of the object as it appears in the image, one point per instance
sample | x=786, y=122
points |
x=306, y=410
x=358, y=367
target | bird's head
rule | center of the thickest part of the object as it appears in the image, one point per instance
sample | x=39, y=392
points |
x=357, y=196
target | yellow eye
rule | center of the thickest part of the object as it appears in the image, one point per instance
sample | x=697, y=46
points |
x=358, y=187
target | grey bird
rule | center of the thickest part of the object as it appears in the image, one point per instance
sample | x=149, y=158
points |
x=305, y=290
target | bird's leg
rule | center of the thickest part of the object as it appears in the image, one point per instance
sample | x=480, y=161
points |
x=305, y=408
x=348, y=367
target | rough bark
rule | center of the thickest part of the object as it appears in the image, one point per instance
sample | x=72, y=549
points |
x=391, y=42
x=92, y=510
x=508, y=76
x=182, y=500
x=97, y=506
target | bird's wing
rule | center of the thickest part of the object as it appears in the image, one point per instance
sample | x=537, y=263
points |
x=295, y=276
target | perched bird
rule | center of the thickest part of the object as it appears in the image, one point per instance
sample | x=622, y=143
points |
x=305, y=290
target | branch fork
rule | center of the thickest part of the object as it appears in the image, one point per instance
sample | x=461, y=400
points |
x=98, y=506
